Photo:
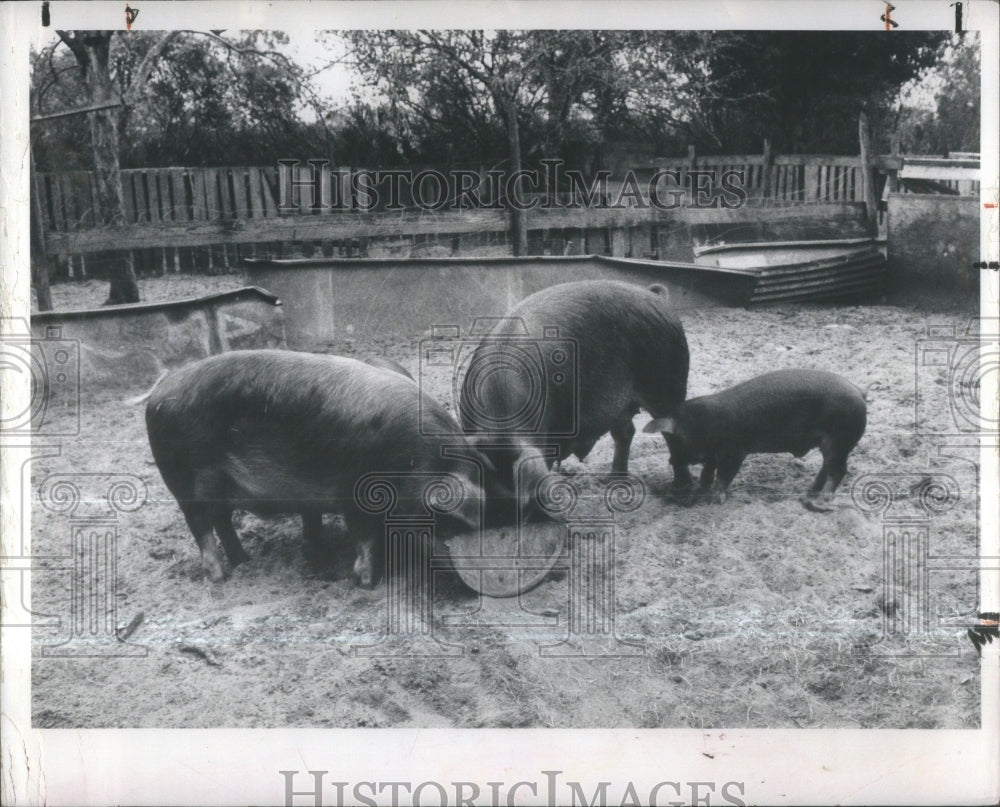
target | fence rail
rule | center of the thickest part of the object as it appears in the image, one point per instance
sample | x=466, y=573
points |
x=179, y=218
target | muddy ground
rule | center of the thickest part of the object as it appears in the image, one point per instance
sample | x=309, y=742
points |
x=753, y=613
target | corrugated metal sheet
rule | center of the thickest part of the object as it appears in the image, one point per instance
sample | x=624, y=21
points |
x=859, y=274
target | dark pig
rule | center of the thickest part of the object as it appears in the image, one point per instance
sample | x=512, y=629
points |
x=273, y=431
x=787, y=410
x=567, y=365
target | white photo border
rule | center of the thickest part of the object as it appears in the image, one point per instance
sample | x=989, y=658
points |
x=207, y=766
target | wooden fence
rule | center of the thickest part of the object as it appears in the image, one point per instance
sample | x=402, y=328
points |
x=207, y=218
x=170, y=195
x=784, y=178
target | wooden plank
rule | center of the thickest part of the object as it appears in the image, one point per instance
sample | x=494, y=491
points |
x=72, y=201
x=128, y=197
x=162, y=178
x=213, y=209
x=304, y=195
x=256, y=197
x=269, y=187
x=225, y=194
x=768, y=163
x=675, y=162
x=239, y=179
x=152, y=196
x=76, y=200
x=941, y=162
x=751, y=214
x=198, y=212
x=814, y=159
x=166, y=200
x=814, y=186
x=58, y=210
x=45, y=200
x=347, y=226
x=182, y=210
x=918, y=171
x=618, y=242
x=90, y=190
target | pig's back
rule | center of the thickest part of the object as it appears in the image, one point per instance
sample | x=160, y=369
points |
x=792, y=410
x=597, y=308
x=288, y=387
x=772, y=389
x=626, y=336
x=303, y=412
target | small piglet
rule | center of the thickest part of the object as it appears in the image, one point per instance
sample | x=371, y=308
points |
x=787, y=410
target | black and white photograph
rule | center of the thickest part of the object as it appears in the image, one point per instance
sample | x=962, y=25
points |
x=480, y=370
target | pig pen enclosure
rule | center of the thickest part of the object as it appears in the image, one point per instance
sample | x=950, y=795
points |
x=753, y=613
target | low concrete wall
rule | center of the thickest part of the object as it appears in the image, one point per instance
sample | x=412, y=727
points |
x=933, y=242
x=128, y=346
x=331, y=301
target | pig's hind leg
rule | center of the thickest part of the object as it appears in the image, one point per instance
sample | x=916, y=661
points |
x=317, y=552
x=707, y=474
x=202, y=525
x=223, y=521
x=727, y=466
x=827, y=480
x=208, y=514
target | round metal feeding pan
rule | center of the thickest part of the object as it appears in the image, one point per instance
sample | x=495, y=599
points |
x=505, y=561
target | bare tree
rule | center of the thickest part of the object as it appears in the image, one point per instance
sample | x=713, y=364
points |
x=91, y=49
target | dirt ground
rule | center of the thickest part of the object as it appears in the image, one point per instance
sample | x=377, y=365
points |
x=753, y=613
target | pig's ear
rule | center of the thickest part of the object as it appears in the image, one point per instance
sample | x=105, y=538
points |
x=661, y=425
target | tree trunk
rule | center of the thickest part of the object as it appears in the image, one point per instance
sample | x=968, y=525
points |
x=868, y=174
x=39, y=260
x=91, y=49
x=518, y=218
x=40, y=280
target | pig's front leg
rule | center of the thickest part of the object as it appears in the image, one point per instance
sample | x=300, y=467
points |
x=622, y=433
x=312, y=533
x=682, y=476
x=707, y=473
x=727, y=466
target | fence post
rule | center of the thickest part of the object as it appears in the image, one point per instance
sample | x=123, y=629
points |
x=40, y=258
x=867, y=173
x=893, y=174
x=692, y=162
x=765, y=174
